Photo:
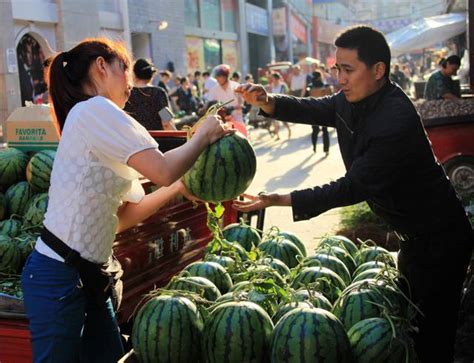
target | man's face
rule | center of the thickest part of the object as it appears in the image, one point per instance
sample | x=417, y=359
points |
x=222, y=80
x=451, y=69
x=356, y=80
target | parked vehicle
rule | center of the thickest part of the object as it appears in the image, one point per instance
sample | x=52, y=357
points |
x=450, y=128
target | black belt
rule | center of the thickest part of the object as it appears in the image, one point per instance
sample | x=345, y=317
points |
x=71, y=257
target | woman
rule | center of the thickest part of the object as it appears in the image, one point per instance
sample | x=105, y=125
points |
x=146, y=101
x=94, y=194
x=277, y=86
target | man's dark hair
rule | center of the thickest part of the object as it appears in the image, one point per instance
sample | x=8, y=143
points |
x=370, y=44
x=197, y=73
x=453, y=59
x=206, y=74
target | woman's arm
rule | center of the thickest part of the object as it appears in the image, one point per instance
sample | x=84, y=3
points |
x=131, y=214
x=165, y=169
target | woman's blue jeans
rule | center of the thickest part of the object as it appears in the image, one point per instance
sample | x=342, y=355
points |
x=64, y=325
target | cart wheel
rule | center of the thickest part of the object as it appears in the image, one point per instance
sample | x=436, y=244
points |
x=461, y=173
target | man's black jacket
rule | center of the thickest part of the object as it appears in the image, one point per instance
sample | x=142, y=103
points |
x=388, y=158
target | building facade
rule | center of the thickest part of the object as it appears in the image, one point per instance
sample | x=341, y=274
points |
x=32, y=30
x=180, y=35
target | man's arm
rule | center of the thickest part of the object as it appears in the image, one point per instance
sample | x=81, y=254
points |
x=372, y=174
x=308, y=110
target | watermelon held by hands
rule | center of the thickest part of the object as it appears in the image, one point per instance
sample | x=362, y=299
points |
x=38, y=170
x=223, y=171
x=12, y=167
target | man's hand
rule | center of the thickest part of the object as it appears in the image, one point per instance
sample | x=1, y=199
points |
x=256, y=95
x=260, y=201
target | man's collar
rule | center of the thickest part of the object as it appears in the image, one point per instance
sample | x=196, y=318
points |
x=369, y=102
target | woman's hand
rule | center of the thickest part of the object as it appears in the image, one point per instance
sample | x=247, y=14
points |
x=212, y=128
x=181, y=188
x=260, y=201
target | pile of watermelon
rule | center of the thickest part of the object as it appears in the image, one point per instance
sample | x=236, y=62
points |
x=254, y=299
x=24, y=184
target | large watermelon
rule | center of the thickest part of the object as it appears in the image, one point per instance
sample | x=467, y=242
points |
x=330, y=262
x=340, y=241
x=330, y=284
x=295, y=239
x=375, y=253
x=35, y=210
x=25, y=243
x=317, y=299
x=10, y=227
x=197, y=284
x=10, y=257
x=373, y=340
x=243, y=234
x=282, y=249
x=224, y=261
x=307, y=335
x=340, y=253
x=223, y=171
x=286, y=308
x=213, y=272
x=17, y=197
x=38, y=171
x=12, y=167
x=369, y=266
x=167, y=329
x=366, y=299
x=3, y=206
x=237, y=332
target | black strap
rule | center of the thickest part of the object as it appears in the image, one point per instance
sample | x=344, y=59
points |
x=71, y=257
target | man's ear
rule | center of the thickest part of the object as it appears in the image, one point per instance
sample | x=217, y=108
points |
x=379, y=70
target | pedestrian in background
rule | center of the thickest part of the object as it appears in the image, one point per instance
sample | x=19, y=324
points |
x=277, y=86
x=297, y=82
x=440, y=85
x=146, y=101
x=165, y=77
x=319, y=89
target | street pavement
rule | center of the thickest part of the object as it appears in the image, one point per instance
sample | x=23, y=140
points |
x=288, y=164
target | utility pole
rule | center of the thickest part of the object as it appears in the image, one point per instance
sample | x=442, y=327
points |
x=470, y=41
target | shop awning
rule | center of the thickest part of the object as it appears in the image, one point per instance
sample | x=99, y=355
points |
x=426, y=32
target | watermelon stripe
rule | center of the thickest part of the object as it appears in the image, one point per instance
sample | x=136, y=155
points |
x=374, y=343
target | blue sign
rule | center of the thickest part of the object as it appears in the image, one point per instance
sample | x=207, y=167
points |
x=257, y=20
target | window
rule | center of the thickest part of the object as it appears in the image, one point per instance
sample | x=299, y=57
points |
x=211, y=14
x=229, y=8
x=191, y=12
x=212, y=53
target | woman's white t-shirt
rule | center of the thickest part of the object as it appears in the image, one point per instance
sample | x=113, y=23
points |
x=90, y=177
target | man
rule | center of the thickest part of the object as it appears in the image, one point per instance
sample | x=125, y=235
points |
x=208, y=83
x=440, y=85
x=165, y=77
x=398, y=77
x=297, y=82
x=390, y=164
x=197, y=83
x=223, y=91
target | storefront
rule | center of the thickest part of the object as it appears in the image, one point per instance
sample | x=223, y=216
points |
x=211, y=34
